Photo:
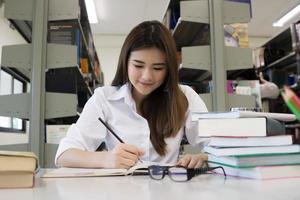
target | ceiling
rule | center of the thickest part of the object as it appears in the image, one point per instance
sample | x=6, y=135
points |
x=265, y=12
x=120, y=16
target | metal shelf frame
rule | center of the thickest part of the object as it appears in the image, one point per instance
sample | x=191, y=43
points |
x=34, y=60
x=199, y=33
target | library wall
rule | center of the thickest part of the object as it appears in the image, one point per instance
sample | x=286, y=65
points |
x=109, y=47
x=8, y=35
x=255, y=42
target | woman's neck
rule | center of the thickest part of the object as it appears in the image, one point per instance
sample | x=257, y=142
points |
x=138, y=98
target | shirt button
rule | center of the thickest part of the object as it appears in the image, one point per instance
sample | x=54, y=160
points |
x=144, y=144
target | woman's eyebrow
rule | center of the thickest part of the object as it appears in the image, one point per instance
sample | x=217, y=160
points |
x=142, y=62
x=163, y=64
x=139, y=61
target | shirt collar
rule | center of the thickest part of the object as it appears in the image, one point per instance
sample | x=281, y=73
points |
x=124, y=92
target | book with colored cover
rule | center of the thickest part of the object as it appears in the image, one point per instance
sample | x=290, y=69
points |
x=242, y=114
x=239, y=151
x=240, y=127
x=278, y=140
x=262, y=172
x=66, y=172
x=256, y=160
x=17, y=169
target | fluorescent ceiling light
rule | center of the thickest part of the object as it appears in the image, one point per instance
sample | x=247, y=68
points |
x=91, y=11
x=287, y=16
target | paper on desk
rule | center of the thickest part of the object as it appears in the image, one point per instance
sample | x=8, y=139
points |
x=65, y=172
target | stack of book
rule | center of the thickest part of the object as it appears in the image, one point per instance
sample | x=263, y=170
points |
x=17, y=169
x=251, y=147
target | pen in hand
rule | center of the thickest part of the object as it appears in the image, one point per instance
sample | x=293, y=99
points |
x=112, y=132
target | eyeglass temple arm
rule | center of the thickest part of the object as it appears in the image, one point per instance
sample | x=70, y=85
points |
x=206, y=169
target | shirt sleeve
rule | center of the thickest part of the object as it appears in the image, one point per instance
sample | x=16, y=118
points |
x=87, y=133
x=196, y=104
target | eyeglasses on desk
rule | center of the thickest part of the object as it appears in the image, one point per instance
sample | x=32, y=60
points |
x=177, y=173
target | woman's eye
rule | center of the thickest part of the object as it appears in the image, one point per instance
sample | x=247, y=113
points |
x=138, y=66
x=158, y=68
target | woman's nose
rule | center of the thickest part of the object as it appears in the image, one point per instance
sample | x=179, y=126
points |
x=147, y=74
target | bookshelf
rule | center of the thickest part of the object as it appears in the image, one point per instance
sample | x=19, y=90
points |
x=61, y=65
x=206, y=61
x=279, y=59
x=280, y=56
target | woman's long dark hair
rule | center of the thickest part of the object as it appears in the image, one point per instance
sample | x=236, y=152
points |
x=166, y=106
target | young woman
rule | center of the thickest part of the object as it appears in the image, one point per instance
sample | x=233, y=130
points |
x=145, y=106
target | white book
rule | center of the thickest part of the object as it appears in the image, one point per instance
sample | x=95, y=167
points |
x=242, y=114
x=54, y=133
x=278, y=140
x=262, y=173
x=252, y=150
x=240, y=127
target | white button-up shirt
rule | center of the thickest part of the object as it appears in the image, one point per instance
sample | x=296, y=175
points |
x=116, y=106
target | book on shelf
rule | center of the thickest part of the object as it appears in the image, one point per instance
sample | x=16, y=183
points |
x=277, y=140
x=66, y=172
x=240, y=127
x=62, y=32
x=17, y=169
x=54, y=133
x=256, y=160
x=66, y=32
x=239, y=151
x=242, y=114
x=262, y=172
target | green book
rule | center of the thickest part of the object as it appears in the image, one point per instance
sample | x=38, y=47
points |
x=242, y=151
x=256, y=160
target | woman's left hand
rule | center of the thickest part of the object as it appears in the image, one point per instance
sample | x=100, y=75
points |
x=193, y=161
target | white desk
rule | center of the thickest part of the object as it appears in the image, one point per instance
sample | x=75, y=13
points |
x=204, y=187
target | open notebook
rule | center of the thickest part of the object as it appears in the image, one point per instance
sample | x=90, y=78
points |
x=64, y=172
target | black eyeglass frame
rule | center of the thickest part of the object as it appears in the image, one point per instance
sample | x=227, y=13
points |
x=191, y=172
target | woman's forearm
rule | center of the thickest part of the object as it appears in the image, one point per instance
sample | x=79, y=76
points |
x=84, y=159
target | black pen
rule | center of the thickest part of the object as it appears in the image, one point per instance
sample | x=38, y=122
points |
x=112, y=132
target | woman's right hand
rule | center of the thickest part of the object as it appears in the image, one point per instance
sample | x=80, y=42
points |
x=123, y=156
